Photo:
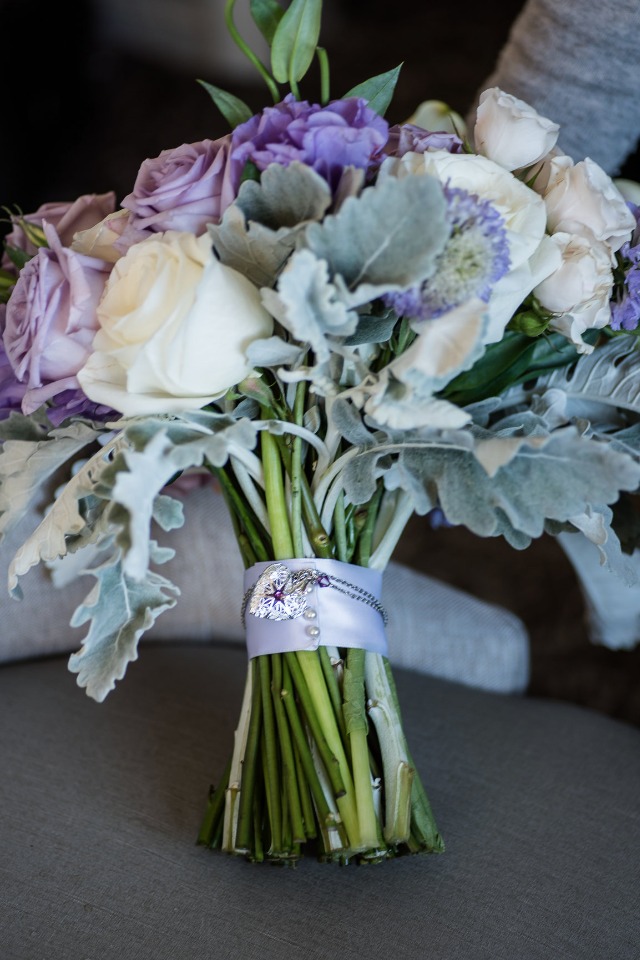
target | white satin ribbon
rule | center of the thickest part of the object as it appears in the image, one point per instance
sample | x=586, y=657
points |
x=330, y=619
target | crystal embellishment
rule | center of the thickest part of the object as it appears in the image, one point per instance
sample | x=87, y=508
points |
x=280, y=593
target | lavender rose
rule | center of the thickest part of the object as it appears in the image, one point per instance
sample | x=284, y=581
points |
x=51, y=320
x=182, y=189
x=11, y=390
x=344, y=133
x=68, y=218
x=408, y=138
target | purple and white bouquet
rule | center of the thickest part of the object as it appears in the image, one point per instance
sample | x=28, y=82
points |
x=346, y=322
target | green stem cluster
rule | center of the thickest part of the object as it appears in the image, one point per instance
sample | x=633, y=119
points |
x=310, y=770
x=320, y=761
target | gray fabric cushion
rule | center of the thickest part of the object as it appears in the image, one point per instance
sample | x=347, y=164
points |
x=537, y=801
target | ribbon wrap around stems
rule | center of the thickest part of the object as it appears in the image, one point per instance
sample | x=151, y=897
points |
x=341, y=609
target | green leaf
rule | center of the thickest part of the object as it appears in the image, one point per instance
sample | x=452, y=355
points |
x=266, y=14
x=234, y=110
x=512, y=360
x=295, y=40
x=378, y=91
x=18, y=257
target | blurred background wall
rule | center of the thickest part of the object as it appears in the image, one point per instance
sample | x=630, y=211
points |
x=93, y=87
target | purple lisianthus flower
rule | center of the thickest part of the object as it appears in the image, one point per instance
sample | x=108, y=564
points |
x=475, y=257
x=68, y=218
x=625, y=308
x=345, y=133
x=407, y=138
x=182, y=189
x=50, y=320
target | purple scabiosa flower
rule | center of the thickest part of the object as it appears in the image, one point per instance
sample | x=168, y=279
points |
x=407, y=138
x=344, y=133
x=625, y=307
x=475, y=258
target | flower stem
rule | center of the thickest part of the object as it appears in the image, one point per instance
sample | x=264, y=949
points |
x=272, y=766
x=295, y=473
x=356, y=725
x=334, y=692
x=316, y=724
x=366, y=533
x=286, y=748
x=325, y=816
x=423, y=824
x=323, y=61
x=248, y=52
x=340, y=530
x=275, y=496
x=241, y=512
x=215, y=810
x=318, y=536
x=398, y=770
x=249, y=762
x=312, y=672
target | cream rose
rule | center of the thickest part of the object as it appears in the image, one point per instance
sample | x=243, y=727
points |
x=523, y=213
x=174, y=328
x=510, y=132
x=582, y=195
x=579, y=291
x=100, y=240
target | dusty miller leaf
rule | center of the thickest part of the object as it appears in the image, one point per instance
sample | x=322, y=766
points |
x=388, y=238
x=273, y=352
x=254, y=250
x=610, y=376
x=288, y=196
x=64, y=522
x=25, y=465
x=307, y=304
x=554, y=478
x=119, y=610
x=159, y=449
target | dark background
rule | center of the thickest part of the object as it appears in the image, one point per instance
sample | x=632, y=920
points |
x=80, y=112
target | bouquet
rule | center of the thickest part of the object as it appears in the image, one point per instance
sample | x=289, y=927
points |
x=345, y=321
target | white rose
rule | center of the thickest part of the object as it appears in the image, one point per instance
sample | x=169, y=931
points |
x=582, y=195
x=521, y=209
x=510, y=132
x=580, y=289
x=174, y=328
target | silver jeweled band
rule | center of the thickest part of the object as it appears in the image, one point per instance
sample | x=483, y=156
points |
x=300, y=604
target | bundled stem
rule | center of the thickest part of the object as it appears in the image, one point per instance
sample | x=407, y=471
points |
x=320, y=760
